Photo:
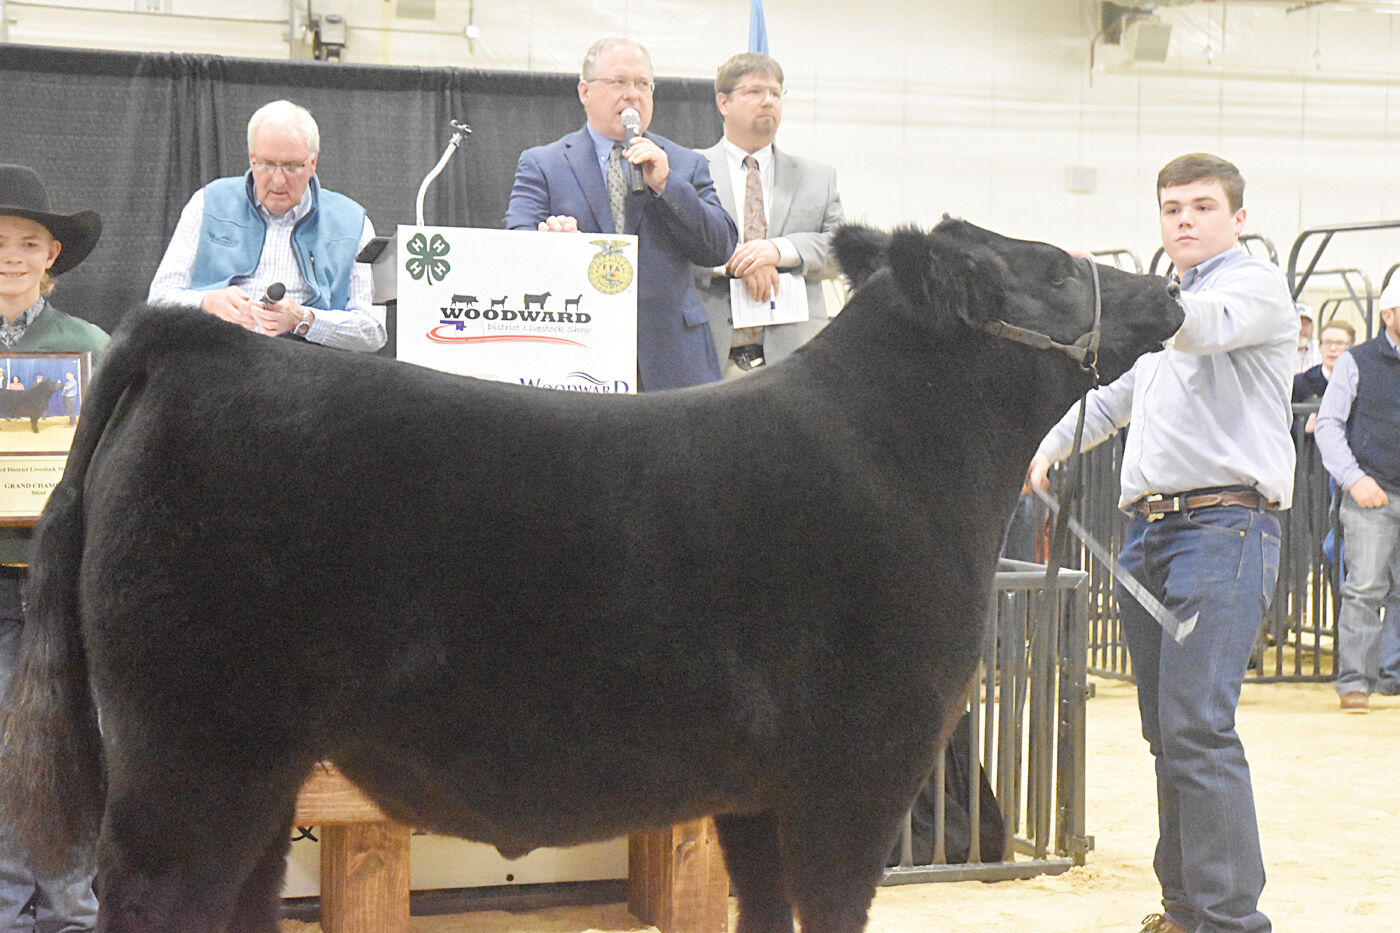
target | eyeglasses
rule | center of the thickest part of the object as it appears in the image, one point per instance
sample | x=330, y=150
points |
x=620, y=85
x=757, y=92
x=268, y=168
x=1336, y=344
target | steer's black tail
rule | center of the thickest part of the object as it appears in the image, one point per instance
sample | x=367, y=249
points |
x=52, y=786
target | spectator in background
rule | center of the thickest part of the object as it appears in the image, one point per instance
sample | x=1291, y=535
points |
x=1336, y=338
x=275, y=223
x=37, y=244
x=1307, y=347
x=1358, y=436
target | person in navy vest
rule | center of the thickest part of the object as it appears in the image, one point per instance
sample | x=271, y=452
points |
x=275, y=224
x=1358, y=435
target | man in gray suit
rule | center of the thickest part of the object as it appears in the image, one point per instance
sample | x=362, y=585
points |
x=786, y=209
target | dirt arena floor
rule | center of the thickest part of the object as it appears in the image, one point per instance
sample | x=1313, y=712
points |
x=1327, y=787
x=17, y=435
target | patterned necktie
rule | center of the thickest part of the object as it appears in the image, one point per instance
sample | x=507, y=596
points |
x=755, y=228
x=617, y=188
x=755, y=224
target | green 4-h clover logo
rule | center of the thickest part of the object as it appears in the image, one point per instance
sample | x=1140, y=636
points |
x=426, y=257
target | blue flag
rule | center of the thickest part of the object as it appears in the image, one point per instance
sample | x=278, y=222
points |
x=758, y=32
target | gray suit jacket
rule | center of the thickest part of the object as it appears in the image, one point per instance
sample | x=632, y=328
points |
x=806, y=209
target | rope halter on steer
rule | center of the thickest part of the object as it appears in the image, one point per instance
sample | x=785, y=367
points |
x=1085, y=352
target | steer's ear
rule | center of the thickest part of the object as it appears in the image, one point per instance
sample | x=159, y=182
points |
x=915, y=266
x=860, y=251
x=947, y=273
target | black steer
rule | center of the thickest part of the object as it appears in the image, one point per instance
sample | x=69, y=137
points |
x=537, y=618
x=31, y=402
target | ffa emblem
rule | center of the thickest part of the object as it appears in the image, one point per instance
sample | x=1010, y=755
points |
x=610, y=272
x=426, y=257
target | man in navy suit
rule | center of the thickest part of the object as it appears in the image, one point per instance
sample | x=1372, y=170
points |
x=678, y=218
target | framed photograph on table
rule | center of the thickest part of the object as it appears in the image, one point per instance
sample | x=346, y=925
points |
x=40, y=403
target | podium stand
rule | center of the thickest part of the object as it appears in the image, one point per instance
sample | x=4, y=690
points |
x=550, y=310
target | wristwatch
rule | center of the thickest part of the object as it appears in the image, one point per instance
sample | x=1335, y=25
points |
x=305, y=325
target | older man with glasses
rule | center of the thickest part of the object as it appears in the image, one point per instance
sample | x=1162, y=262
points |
x=581, y=182
x=275, y=225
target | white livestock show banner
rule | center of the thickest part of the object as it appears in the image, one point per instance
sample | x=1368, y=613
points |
x=554, y=310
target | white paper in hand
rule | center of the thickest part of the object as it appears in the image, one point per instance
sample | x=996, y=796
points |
x=788, y=306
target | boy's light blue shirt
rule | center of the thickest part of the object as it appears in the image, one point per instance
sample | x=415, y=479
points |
x=1213, y=408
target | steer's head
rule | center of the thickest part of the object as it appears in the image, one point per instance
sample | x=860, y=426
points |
x=982, y=277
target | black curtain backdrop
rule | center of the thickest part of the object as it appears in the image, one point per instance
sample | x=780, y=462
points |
x=132, y=136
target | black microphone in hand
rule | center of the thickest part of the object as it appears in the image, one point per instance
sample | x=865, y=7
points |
x=273, y=294
x=632, y=123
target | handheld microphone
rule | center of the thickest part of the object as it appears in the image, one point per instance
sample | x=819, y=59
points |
x=273, y=294
x=632, y=123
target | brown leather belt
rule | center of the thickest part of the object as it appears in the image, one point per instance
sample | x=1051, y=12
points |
x=1159, y=505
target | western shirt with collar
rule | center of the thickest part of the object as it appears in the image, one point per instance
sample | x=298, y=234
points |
x=12, y=333
x=1212, y=409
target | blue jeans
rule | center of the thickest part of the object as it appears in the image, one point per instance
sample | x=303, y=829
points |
x=1220, y=564
x=63, y=905
x=1389, y=681
x=1389, y=678
x=1371, y=536
x=1389, y=675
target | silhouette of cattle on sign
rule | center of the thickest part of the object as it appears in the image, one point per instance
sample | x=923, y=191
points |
x=31, y=402
x=538, y=618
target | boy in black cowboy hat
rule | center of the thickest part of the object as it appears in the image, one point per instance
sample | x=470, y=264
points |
x=36, y=244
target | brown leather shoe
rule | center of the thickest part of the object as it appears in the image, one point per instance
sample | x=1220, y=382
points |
x=1356, y=702
x=1156, y=923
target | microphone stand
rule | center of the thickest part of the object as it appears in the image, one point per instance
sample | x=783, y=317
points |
x=459, y=132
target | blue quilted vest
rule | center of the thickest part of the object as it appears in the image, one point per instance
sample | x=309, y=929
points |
x=1373, y=430
x=324, y=242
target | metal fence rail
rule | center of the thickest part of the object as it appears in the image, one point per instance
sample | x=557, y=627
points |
x=1027, y=731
